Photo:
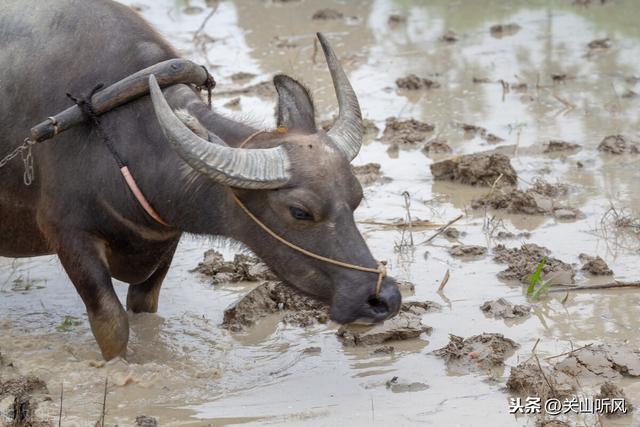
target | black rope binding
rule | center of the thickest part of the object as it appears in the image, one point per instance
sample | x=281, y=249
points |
x=86, y=106
x=209, y=85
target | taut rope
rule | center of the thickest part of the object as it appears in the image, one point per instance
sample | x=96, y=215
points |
x=381, y=271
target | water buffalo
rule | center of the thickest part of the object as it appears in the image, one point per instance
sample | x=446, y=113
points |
x=298, y=182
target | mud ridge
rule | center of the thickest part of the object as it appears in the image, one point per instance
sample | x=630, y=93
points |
x=477, y=169
x=243, y=268
x=523, y=261
x=479, y=352
x=407, y=324
x=271, y=298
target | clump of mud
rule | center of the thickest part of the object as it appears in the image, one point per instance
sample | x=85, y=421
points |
x=467, y=251
x=242, y=268
x=20, y=396
x=539, y=199
x=413, y=82
x=531, y=379
x=409, y=131
x=233, y=103
x=503, y=309
x=144, y=421
x=579, y=367
x=401, y=386
x=602, y=360
x=619, y=144
x=476, y=169
x=437, y=147
x=523, y=262
x=396, y=19
x=450, y=37
x=407, y=324
x=327, y=14
x=452, y=233
x=370, y=128
x=370, y=174
x=503, y=30
x=552, y=423
x=508, y=235
x=242, y=77
x=609, y=390
x=472, y=131
x=558, y=146
x=595, y=265
x=482, y=351
x=600, y=44
x=271, y=298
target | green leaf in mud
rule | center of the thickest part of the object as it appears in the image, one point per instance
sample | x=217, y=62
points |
x=542, y=289
x=67, y=324
x=535, y=277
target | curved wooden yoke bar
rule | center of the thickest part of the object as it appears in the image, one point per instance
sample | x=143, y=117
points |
x=167, y=73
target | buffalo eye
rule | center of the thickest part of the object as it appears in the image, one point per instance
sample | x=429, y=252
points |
x=300, y=214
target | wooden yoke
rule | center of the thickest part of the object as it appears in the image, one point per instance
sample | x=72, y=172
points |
x=167, y=73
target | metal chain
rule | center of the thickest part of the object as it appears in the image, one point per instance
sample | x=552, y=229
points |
x=23, y=150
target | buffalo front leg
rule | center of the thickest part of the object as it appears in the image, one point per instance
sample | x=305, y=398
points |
x=83, y=258
x=143, y=297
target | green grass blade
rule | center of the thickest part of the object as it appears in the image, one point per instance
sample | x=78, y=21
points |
x=542, y=289
x=535, y=277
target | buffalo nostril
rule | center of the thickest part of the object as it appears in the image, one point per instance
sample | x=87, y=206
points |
x=378, y=305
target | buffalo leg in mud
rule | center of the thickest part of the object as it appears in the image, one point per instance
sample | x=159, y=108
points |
x=84, y=260
x=143, y=297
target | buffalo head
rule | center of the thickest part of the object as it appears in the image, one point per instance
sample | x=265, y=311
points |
x=299, y=182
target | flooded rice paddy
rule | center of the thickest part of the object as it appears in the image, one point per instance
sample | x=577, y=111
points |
x=503, y=76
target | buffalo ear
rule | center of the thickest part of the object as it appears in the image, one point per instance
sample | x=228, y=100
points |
x=295, y=108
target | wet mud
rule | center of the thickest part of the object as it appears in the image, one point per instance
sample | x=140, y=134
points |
x=542, y=198
x=406, y=325
x=370, y=174
x=413, y=82
x=600, y=364
x=618, y=145
x=274, y=298
x=595, y=265
x=479, y=169
x=409, y=131
x=502, y=309
x=476, y=353
x=523, y=261
x=242, y=268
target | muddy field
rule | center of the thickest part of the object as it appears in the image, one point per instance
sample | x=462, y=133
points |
x=521, y=116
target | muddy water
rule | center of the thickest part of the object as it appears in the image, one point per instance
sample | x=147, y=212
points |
x=185, y=370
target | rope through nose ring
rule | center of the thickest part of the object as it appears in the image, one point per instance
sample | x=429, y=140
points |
x=381, y=271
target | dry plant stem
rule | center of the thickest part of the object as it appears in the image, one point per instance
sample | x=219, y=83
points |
x=61, y=395
x=397, y=225
x=204, y=23
x=566, y=353
x=407, y=206
x=553, y=390
x=104, y=403
x=445, y=280
x=533, y=349
x=612, y=285
x=443, y=228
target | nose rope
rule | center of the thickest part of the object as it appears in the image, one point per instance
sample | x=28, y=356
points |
x=381, y=269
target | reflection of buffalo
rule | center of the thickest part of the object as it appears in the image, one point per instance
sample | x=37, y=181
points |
x=298, y=180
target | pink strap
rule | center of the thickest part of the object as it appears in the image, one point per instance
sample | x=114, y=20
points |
x=133, y=186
